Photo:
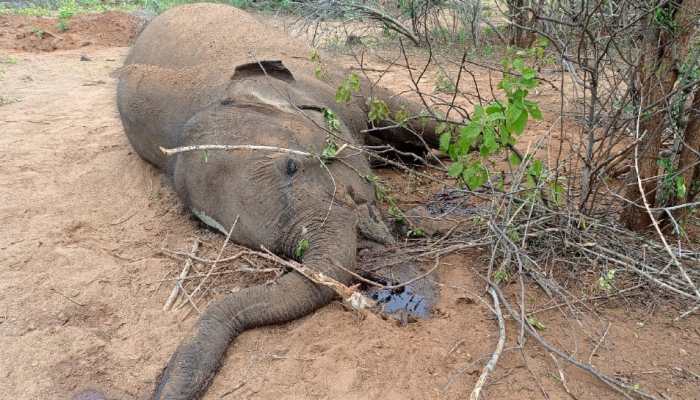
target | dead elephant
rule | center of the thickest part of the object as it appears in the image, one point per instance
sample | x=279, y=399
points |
x=201, y=75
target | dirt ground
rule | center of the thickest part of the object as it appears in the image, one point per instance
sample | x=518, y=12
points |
x=82, y=219
x=33, y=34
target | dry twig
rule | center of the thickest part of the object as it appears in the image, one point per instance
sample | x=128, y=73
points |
x=491, y=365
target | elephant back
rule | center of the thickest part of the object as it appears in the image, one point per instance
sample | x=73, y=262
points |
x=206, y=33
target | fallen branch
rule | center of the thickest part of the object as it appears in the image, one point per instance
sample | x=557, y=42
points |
x=213, y=266
x=185, y=270
x=226, y=147
x=562, y=378
x=491, y=365
x=615, y=384
x=350, y=295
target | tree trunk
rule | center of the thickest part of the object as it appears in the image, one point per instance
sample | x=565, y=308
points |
x=518, y=16
x=689, y=162
x=664, y=45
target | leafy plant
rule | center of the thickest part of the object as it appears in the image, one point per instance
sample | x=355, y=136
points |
x=9, y=60
x=378, y=110
x=672, y=183
x=493, y=127
x=401, y=116
x=501, y=275
x=383, y=195
x=62, y=25
x=320, y=71
x=301, y=248
x=333, y=125
x=605, y=282
x=65, y=12
x=663, y=17
x=38, y=32
x=537, y=53
x=535, y=323
x=350, y=85
x=416, y=233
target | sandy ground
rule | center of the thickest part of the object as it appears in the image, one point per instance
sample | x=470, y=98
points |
x=81, y=222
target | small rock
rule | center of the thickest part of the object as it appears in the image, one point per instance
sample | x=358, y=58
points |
x=83, y=57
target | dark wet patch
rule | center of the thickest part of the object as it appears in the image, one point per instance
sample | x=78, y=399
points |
x=408, y=303
x=402, y=301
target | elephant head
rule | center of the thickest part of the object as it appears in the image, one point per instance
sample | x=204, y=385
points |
x=279, y=199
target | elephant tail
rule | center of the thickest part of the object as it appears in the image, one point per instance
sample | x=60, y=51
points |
x=196, y=360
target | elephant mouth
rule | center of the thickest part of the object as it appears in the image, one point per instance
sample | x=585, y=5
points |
x=311, y=107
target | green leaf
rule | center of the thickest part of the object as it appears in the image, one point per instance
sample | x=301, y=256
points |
x=514, y=159
x=453, y=153
x=445, y=139
x=535, y=323
x=329, y=151
x=396, y=213
x=301, y=248
x=378, y=110
x=517, y=122
x=518, y=98
x=315, y=56
x=331, y=120
x=506, y=137
x=475, y=175
x=401, y=116
x=342, y=95
x=557, y=192
x=536, y=169
x=680, y=187
x=529, y=83
x=353, y=82
x=470, y=131
x=513, y=113
x=350, y=85
x=467, y=136
x=441, y=127
x=416, y=232
x=534, y=109
x=489, y=144
x=455, y=169
x=478, y=113
x=494, y=108
x=506, y=85
x=497, y=116
x=518, y=64
x=529, y=73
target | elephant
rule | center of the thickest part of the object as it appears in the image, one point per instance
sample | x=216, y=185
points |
x=202, y=74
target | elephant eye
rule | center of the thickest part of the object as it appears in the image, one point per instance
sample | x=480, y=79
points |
x=291, y=167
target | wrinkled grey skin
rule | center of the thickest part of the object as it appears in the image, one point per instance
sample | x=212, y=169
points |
x=189, y=80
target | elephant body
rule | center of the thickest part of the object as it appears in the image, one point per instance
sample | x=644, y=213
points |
x=206, y=74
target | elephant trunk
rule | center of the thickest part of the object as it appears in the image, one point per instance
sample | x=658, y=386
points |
x=195, y=362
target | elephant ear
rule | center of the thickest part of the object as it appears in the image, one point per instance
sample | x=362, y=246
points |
x=272, y=68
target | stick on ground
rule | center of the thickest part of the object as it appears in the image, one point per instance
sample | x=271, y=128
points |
x=185, y=270
x=491, y=365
